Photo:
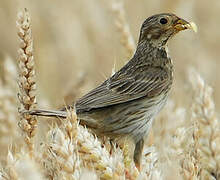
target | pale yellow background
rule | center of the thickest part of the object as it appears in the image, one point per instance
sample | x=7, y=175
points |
x=76, y=39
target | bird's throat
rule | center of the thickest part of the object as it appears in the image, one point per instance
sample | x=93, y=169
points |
x=152, y=55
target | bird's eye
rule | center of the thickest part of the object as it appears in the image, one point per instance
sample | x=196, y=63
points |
x=163, y=21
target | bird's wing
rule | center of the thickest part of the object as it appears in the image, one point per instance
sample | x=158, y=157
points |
x=124, y=87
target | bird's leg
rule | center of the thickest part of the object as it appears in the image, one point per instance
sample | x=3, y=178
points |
x=138, y=152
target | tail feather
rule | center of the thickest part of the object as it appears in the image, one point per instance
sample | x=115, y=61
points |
x=48, y=113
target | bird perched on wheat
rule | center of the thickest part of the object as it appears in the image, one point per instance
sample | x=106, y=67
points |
x=126, y=104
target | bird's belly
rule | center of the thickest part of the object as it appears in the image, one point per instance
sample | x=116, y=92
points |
x=150, y=109
x=153, y=107
x=132, y=118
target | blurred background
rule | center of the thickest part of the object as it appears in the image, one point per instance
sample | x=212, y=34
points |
x=76, y=43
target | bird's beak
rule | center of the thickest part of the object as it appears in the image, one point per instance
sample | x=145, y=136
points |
x=182, y=24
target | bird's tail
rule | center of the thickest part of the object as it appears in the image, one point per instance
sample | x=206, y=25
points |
x=47, y=113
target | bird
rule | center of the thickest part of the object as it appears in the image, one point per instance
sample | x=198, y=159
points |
x=126, y=104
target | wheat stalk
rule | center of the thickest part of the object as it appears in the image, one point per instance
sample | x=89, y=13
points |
x=59, y=156
x=27, y=84
x=151, y=168
x=208, y=127
x=122, y=26
x=8, y=111
x=98, y=158
x=20, y=166
x=8, y=171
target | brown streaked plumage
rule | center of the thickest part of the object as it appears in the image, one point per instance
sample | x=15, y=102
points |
x=126, y=103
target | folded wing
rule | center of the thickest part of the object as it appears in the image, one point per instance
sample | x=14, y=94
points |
x=126, y=86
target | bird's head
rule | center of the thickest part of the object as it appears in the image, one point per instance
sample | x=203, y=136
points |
x=159, y=28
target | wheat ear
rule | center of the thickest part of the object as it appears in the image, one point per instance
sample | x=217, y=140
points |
x=27, y=84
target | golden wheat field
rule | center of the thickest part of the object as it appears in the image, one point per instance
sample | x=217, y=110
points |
x=53, y=52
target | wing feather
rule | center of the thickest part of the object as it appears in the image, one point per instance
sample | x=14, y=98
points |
x=124, y=87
